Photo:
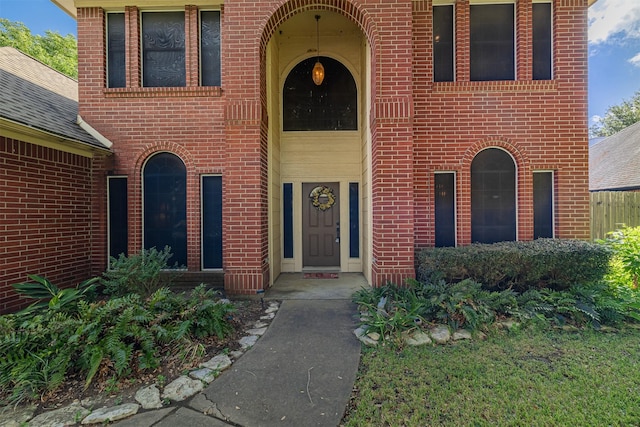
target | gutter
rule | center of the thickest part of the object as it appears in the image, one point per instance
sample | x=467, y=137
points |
x=94, y=133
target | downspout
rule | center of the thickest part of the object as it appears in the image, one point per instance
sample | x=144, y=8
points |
x=94, y=133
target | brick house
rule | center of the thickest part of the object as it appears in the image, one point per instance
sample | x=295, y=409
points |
x=49, y=158
x=438, y=122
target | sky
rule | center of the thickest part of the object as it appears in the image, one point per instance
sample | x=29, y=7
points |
x=614, y=44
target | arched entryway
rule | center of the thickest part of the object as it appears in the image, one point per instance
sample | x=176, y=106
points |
x=319, y=145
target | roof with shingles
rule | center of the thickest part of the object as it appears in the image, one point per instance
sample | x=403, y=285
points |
x=39, y=97
x=614, y=162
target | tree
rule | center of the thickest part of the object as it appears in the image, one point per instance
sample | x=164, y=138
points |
x=57, y=51
x=618, y=117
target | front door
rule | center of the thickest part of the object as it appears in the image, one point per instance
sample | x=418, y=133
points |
x=321, y=224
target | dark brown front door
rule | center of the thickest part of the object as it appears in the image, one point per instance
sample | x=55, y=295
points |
x=321, y=224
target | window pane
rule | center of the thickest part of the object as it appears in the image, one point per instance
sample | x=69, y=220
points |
x=331, y=106
x=210, y=48
x=212, y=222
x=542, y=41
x=445, y=207
x=165, y=206
x=492, y=42
x=116, y=76
x=287, y=216
x=493, y=197
x=443, y=43
x=118, y=216
x=354, y=220
x=163, y=49
x=542, y=204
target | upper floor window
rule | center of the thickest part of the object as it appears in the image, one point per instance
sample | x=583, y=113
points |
x=116, y=76
x=492, y=43
x=542, y=41
x=210, y=48
x=443, y=43
x=163, y=49
x=331, y=106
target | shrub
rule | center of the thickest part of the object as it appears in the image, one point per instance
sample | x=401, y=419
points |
x=39, y=349
x=543, y=263
x=141, y=273
x=51, y=297
x=625, y=264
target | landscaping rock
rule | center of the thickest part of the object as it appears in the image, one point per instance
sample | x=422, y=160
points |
x=236, y=354
x=440, y=334
x=258, y=331
x=248, y=342
x=260, y=324
x=416, y=338
x=182, y=388
x=67, y=416
x=508, y=324
x=149, y=397
x=204, y=374
x=361, y=334
x=268, y=316
x=461, y=334
x=15, y=417
x=114, y=413
x=217, y=363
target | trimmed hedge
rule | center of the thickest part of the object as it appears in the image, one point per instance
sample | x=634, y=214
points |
x=543, y=263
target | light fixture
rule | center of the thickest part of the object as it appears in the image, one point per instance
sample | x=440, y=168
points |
x=318, y=70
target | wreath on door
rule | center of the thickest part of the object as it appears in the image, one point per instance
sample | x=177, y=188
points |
x=322, y=198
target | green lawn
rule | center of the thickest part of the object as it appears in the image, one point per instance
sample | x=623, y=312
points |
x=526, y=378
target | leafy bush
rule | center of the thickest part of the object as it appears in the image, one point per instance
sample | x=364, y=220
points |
x=51, y=297
x=141, y=273
x=543, y=263
x=40, y=349
x=391, y=309
x=625, y=264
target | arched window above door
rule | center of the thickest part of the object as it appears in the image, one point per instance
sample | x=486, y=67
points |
x=331, y=106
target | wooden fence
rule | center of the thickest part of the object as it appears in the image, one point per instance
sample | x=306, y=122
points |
x=611, y=210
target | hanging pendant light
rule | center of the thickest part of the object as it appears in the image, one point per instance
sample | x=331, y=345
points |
x=318, y=70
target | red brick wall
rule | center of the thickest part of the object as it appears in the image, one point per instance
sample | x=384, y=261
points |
x=542, y=124
x=418, y=127
x=45, y=217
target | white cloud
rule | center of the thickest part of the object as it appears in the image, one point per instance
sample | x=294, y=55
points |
x=635, y=60
x=609, y=18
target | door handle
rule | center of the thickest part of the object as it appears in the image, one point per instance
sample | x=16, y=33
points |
x=337, y=232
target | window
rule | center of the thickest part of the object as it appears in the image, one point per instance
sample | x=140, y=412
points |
x=542, y=56
x=493, y=197
x=211, y=222
x=287, y=219
x=163, y=49
x=165, y=205
x=443, y=43
x=331, y=106
x=542, y=204
x=210, y=48
x=492, y=44
x=445, y=209
x=354, y=220
x=116, y=66
x=117, y=216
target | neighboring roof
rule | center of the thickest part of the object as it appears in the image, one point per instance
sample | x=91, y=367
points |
x=38, y=97
x=614, y=162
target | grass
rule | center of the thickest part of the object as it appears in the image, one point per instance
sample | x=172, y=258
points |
x=530, y=377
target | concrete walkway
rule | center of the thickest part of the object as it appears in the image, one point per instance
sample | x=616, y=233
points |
x=300, y=372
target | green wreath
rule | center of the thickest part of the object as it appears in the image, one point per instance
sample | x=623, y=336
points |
x=322, y=192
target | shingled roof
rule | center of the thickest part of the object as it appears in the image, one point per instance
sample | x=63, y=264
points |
x=614, y=162
x=39, y=97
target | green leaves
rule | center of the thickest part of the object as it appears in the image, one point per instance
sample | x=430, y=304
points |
x=57, y=51
x=65, y=333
